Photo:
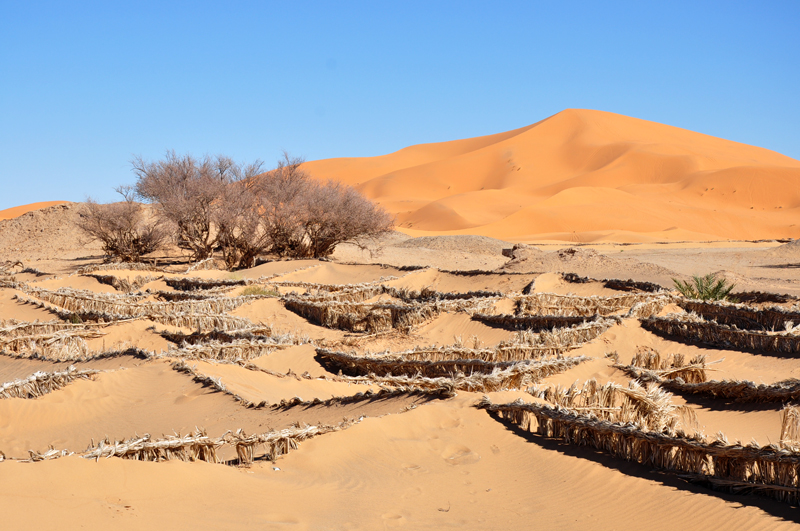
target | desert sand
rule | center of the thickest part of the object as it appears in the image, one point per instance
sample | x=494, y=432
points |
x=583, y=176
x=14, y=212
x=388, y=350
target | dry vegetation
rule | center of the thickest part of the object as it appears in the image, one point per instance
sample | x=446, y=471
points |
x=215, y=205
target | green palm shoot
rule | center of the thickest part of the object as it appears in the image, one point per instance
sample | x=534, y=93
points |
x=706, y=288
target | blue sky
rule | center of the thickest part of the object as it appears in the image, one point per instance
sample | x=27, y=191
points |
x=85, y=86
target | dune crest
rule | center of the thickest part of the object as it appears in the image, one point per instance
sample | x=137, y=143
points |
x=583, y=175
x=17, y=211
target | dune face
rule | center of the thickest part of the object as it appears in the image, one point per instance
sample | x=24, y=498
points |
x=583, y=175
x=14, y=212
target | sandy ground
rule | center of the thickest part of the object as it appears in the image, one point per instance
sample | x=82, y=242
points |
x=439, y=464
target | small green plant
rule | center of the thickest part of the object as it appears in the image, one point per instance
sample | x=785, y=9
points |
x=707, y=288
x=75, y=319
x=258, y=290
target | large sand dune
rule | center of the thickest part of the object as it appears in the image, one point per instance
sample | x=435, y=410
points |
x=583, y=175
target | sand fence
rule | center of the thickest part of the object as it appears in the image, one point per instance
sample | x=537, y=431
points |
x=199, y=446
x=40, y=383
x=694, y=329
x=770, y=470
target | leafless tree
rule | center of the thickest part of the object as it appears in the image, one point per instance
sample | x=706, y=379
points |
x=189, y=194
x=242, y=233
x=336, y=213
x=123, y=228
x=281, y=194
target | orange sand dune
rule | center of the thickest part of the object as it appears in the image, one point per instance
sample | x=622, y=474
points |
x=583, y=175
x=19, y=210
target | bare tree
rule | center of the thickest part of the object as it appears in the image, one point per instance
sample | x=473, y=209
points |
x=123, y=228
x=336, y=213
x=242, y=233
x=189, y=195
x=281, y=195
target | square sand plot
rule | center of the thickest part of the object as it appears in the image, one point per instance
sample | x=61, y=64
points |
x=257, y=387
x=462, y=283
x=299, y=360
x=151, y=398
x=14, y=309
x=75, y=282
x=447, y=327
x=332, y=273
x=278, y=267
x=138, y=333
x=272, y=312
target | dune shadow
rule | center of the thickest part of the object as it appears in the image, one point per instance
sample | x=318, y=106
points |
x=726, y=404
x=711, y=347
x=669, y=479
x=779, y=266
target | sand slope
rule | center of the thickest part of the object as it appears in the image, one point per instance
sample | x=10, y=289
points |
x=583, y=175
x=24, y=209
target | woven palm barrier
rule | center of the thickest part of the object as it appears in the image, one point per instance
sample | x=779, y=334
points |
x=632, y=285
x=40, y=383
x=79, y=301
x=77, y=355
x=123, y=284
x=573, y=305
x=377, y=317
x=668, y=367
x=238, y=349
x=254, y=333
x=199, y=446
x=394, y=365
x=737, y=390
x=13, y=329
x=646, y=406
x=769, y=470
x=195, y=320
x=193, y=284
x=176, y=296
x=742, y=316
x=530, y=322
x=362, y=292
x=504, y=352
x=696, y=330
x=118, y=266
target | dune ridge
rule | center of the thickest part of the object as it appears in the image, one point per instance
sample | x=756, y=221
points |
x=17, y=211
x=583, y=175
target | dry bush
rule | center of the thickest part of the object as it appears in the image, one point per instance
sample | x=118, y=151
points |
x=191, y=195
x=307, y=219
x=215, y=204
x=281, y=194
x=123, y=228
x=337, y=213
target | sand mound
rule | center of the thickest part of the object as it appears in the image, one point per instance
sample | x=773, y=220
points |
x=560, y=179
x=466, y=243
x=44, y=233
x=787, y=251
x=14, y=212
x=585, y=262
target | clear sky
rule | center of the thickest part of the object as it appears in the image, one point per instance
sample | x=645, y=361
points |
x=85, y=86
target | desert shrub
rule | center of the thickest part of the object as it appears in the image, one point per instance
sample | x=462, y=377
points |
x=214, y=204
x=707, y=287
x=305, y=218
x=281, y=194
x=258, y=290
x=242, y=235
x=336, y=213
x=123, y=228
x=190, y=195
